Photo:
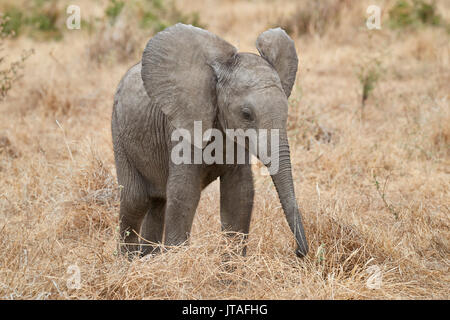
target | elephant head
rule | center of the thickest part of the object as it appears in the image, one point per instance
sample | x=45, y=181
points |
x=193, y=75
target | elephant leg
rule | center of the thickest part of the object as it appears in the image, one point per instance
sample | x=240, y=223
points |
x=153, y=226
x=183, y=193
x=134, y=204
x=236, y=202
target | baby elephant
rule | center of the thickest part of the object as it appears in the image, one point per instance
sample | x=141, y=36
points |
x=194, y=85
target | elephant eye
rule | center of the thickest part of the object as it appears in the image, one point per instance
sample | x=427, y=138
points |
x=247, y=114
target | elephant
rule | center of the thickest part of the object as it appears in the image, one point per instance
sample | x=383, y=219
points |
x=188, y=74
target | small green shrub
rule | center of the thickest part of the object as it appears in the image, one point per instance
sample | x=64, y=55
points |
x=45, y=20
x=382, y=193
x=14, y=21
x=150, y=19
x=368, y=75
x=9, y=73
x=158, y=15
x=113, y=10
x=418, y=12
x=401, y=14
x=426, y=12
x=38, y=18
x=368, y=79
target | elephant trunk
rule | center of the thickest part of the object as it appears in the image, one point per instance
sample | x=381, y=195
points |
x=282, y=179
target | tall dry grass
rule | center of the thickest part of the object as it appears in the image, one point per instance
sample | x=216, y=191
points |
x=374, y=191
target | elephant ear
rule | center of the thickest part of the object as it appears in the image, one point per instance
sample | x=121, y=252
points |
x=278, y=49
x=178, y=75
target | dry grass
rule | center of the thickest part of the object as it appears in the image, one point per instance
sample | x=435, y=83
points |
x=373, y=191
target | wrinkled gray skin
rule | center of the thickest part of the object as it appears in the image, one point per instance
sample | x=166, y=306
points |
x=188, y=74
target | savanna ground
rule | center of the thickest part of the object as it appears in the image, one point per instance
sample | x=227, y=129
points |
x=369, y=129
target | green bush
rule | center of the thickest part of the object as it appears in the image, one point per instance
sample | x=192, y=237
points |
x=401, y=14
x=37, y=18
x=44, y=18
x=9, y=73
x=427, y=14
x=114, y=9
x=158, y=15
x=369, y=74
x=151, y=14
x=14, y=21
x=415, y=13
